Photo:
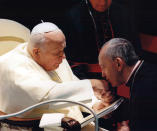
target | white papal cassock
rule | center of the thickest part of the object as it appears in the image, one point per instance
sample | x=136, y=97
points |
x=24, y=83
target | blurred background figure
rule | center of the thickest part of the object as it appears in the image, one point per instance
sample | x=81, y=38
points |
x=146, y=14
x=88, y=25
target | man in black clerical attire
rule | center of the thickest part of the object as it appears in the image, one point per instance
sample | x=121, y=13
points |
x=120, y=65
x=88, y=25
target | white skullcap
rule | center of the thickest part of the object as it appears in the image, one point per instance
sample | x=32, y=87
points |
x=44, y=27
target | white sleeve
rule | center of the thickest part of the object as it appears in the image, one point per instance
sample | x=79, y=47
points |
x=31, y=87
x=31, y=84
x=80, y=90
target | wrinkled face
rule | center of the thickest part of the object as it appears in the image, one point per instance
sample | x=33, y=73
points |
x=52, y=54
x=100, y=5
x=110, y=70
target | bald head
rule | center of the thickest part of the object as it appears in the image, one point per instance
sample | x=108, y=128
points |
x=119, y=47
x=117, y=59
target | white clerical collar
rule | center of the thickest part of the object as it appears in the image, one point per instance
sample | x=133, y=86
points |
x=136, y=65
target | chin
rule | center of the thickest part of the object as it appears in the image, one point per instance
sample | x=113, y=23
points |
x=113, y=84
x=51, y=69
x=55, y=67
x=101, y=9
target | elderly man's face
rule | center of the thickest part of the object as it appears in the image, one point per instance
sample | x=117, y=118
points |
x=100, y=5
x=110, y=70
x=52, y=53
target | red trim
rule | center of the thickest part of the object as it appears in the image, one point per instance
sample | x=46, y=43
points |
x=95, y=68
x=123, y=90
x=149, y=42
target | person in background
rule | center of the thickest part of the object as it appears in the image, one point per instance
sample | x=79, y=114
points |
x=120, y=65
x=88, y=25
x=37, y=71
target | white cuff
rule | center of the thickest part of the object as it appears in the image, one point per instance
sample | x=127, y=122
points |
x=51, y=120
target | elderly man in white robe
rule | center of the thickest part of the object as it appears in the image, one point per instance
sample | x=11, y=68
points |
x=37, y=71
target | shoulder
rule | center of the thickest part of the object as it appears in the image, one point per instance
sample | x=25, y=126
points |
x=15, y=55
x=17, y=58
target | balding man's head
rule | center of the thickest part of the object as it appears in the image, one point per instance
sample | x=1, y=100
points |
x=122, y=48
x=117, y=57
x=46, y=45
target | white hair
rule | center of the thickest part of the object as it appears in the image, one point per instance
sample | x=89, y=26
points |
x=37, y=37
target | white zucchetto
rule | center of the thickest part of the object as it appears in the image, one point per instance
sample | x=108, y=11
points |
x=44, y=27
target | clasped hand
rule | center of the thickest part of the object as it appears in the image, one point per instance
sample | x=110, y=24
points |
x=103, y=93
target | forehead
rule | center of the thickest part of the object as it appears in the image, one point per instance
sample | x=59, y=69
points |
x=55, y=40
x=103, y=58
x=55, y=36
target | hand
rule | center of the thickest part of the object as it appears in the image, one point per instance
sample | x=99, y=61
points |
x=70, y=124
x=100, y=87
x=108, y=98
x=99, y=106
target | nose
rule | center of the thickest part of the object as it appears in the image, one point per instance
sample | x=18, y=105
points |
x=63, y=56
x=103, y=74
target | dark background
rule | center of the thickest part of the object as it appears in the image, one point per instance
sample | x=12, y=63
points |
x=30, y=12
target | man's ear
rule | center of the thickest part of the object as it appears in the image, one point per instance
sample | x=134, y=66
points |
x=119, y=63
x=36, y=52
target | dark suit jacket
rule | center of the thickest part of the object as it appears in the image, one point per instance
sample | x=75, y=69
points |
x=143, y=98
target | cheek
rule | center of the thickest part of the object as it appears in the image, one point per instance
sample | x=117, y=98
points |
x=109, y=70
x=110, y=74
x=52, y=59
x=103, y=72
x=49, y=60
x=115, y=78
x=55, y=60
